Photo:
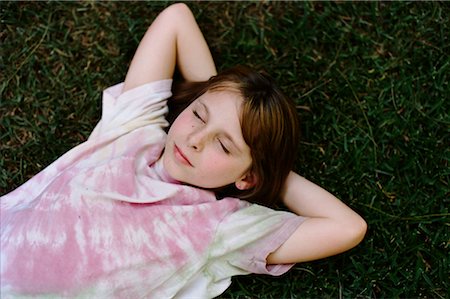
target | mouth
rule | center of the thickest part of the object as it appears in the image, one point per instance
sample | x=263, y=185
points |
x=179, y=155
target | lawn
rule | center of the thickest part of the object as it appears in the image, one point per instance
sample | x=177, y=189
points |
x=371, y=81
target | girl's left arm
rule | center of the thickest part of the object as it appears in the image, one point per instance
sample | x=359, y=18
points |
x=330, y=227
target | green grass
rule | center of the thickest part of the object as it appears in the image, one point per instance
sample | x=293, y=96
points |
x=372, y=84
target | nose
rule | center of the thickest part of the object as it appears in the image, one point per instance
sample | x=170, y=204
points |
x=197, y=139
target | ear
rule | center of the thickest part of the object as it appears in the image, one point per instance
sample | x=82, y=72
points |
x=246, y=182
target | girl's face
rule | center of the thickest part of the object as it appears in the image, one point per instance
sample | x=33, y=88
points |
x=205, y=147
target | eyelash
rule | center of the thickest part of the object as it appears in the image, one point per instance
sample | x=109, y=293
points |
x=221, y=144
x=223, y=147
x=198, y=116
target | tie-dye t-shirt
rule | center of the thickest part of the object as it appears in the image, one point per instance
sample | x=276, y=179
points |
x=106, y=221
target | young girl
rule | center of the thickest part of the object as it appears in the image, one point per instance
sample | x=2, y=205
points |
x=134, y=212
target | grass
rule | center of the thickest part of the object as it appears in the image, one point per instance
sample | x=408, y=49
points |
x=372, y=84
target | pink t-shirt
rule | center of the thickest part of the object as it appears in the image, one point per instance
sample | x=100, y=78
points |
x=106, y=221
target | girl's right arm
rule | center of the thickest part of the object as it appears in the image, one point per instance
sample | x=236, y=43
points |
x=173, y=39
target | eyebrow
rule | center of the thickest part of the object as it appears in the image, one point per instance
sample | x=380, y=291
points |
x=225, y=132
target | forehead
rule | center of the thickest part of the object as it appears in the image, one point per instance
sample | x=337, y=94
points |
x=223, y=97
x=224, y=105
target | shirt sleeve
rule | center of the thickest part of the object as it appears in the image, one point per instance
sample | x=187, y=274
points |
x=245, y=239
x=140, y=106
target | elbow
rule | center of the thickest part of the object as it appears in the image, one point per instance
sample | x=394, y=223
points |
x=178, y=15
x=179, y=10
x=357, y=230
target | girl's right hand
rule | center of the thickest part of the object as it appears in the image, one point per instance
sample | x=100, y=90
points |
x=173, y=39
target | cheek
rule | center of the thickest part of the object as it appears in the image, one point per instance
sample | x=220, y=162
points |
x=179, y=125
x=221, y=167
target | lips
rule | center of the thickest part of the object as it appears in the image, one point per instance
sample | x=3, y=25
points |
x=179, y=155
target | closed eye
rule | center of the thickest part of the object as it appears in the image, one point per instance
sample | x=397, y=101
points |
x=198, y=116
x=224, y=147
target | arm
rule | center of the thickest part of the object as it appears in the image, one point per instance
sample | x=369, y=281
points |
x=173, y=39
x=330, y=228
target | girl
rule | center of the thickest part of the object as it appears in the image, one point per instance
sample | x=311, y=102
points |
x=133, y=212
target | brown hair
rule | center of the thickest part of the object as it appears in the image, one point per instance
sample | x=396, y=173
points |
x=269, y=126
